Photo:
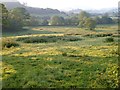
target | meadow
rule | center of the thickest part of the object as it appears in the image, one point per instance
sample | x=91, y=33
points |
x=60, y=57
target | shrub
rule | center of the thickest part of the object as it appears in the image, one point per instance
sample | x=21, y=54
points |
x=64, y=54
x=104, y=35
x=71, y=38
x=98, y=35
x=22, y=39
x=45, y=39
x=9, y=43
x=109, y=39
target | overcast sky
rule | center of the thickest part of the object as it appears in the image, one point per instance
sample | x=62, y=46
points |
x=70, y=4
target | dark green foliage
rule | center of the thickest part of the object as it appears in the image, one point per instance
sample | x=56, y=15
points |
x=4, y=13
x=97, y=19
x=15, y=25
x=9, y=43
x=45, y=39
x=109, y=39
x=105, y=19
x=104, y=35
x=14, y=20
x=20, y=15
x=44, y=22
x=64, y=54
x=33, y=21
x=98, y=35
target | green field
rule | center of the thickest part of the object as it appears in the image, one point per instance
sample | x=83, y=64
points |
x=56, y=57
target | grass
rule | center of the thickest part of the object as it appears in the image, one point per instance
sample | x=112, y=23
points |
x=86, y=63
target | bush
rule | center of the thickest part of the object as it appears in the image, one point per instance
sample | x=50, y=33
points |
x=104, y=35
x=98, y=35
x=9, y=43
x=109, y=39
x=64, y=54
x=45, y=39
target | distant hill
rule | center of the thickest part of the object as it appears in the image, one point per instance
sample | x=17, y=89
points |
x=35, y=11
x=113, y=12
x=11, y=5
x=76, y=11
x=101, y=11
x=105, y=10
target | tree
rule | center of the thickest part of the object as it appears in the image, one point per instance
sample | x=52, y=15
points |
x=98, y=20
x=82, y=17
x=57, y=20
x=33, y=21
x=73, y=21
x=67, y=21
x=44, y=22
x=90, y=23
x=18, y=17
x=4, y=17
x=82, y=23
x=86, y=21
x=106, y=20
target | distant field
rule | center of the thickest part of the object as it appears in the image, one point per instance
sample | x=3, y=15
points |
x=61, y=57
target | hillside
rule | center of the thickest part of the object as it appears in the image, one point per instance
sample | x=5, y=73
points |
x=11, y=5
x=33, y=10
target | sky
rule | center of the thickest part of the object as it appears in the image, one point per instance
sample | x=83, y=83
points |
x=70, y=4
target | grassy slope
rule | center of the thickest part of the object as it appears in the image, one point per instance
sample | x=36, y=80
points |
x=87, y=63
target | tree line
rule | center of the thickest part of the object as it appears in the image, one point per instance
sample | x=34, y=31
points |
x=16, y=18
